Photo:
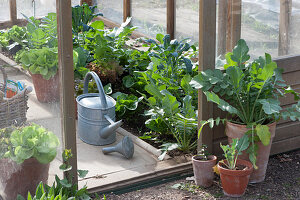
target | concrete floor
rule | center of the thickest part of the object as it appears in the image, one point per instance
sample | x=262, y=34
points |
x=105, y=171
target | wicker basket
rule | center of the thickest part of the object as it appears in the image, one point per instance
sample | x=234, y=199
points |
x=12, y=110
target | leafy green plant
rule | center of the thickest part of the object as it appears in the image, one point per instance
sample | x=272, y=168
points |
x=62, y=189
x=231, y=152
x=5, y=142
x=32, y=141
x=82, y=16
x=107, y=45
x=42, y=33
x=40, y=61
x=249, y=92
x=125, y=102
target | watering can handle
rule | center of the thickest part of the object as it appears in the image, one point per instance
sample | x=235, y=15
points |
x=87, y=78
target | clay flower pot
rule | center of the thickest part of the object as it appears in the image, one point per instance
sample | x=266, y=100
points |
x=237, y=131
x=234, y=182
x=203, y=170
x=46, y=90
x=19, y=179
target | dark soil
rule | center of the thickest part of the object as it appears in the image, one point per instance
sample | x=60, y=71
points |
x=282, y=182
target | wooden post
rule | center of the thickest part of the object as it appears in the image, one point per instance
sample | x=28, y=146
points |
x=229, y=22
x=66, y=72
x=222, y=23
x=236, y=22
x=171, y=18
x=13, y=11
x=126, y=9
x=284, y=25
x=207, y=47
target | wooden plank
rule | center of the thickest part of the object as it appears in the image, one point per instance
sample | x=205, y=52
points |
x=285, y=145
x=66, y=72
x=287, y=130
x=89, y=2
x=8, y=24
x=288, y=63
x=222, y=23
x=13, y=10
x=207, y=49
x=236, y=22
x=126, y=9
x=171, y=18
x=284, y=26
x=292, y=77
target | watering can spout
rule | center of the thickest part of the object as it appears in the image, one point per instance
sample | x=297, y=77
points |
x=105, y=132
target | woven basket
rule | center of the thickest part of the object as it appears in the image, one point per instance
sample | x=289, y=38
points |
x=12, y=110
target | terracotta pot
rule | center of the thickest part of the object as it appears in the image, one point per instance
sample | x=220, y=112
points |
x=237, y=131
x=19, y=179
x=234, y=182
x=46, y=90
x=203, y=170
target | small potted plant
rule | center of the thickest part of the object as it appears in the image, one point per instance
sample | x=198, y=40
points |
x=25, y=163
x=203, y=164
x=249, y=91
x=42, y=65
x=234, y=172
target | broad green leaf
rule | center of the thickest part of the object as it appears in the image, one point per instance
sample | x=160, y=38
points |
x=82, y=173
x=160, y=37
x=267, y=72
x=263, y=133
x=153, y=90
x=270, y=106
x=243, y=144
x=223, y=105
x=235, y=76
x=240, y=52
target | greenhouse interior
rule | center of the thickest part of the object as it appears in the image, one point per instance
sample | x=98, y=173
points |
x=149, y=99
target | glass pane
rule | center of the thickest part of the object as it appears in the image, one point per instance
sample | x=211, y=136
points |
x=294, y=28
x=4, y=10
x=112, y=9
x=149, y=16
x=260, y=26
x=187, y=19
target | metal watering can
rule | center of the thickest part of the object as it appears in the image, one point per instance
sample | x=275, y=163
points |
x=96, y=114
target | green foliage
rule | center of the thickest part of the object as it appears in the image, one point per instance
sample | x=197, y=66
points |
x=82, y=16
x=81, y=57
x=249, y=92
x=5, y=142
x=107, y=45
x=32, y=141
x=42, y=33
x=40, y=61
x=125, y=102
x=231, y=152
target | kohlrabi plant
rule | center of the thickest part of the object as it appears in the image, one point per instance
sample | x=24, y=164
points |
x=249, y=92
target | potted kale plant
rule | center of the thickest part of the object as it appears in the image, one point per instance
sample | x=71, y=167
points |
x=249, y=92
x=235, y=172
x=26, y=153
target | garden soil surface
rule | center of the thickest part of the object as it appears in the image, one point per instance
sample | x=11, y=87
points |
x=282, y=182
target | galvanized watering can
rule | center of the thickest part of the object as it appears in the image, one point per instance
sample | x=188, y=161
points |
x=96, y=114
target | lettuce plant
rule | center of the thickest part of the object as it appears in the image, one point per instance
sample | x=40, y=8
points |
x=40, y=61
x=32, y=141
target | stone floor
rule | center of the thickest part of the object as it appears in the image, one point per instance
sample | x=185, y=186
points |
x=105, y=171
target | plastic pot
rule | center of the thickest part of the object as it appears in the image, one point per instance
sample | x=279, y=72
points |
x=263, y=152
x=203, y=170
x=234, y=182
